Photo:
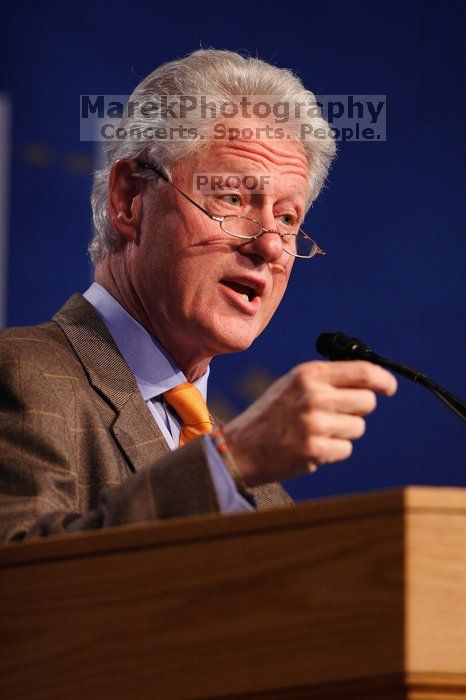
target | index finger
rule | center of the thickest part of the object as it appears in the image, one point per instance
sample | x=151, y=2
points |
x=356, y=374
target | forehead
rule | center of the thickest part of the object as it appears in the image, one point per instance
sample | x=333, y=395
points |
x=284, y=159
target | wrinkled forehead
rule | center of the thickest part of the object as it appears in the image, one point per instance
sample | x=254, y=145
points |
x=252, y=156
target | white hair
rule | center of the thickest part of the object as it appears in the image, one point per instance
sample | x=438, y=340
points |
x=220, y=75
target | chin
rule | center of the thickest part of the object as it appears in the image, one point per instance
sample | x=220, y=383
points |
x=231, y=338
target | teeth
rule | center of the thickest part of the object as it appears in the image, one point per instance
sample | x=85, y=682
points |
x=245, y=297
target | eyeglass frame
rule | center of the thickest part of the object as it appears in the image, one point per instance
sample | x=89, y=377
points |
x=221, y=219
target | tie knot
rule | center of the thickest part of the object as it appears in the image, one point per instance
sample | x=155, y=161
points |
x=188, y=402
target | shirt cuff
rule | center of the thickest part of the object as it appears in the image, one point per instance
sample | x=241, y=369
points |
x=230, y=500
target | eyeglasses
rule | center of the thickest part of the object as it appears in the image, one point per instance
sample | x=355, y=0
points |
x=294, y=242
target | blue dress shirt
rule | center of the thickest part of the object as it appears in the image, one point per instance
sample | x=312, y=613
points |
x=156, y=372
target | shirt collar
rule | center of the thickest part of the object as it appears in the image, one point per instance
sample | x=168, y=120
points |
x=154, y=369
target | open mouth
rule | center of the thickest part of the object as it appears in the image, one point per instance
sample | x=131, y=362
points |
x=246, y=292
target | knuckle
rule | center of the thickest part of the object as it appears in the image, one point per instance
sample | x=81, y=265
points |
x=299, y=375
x=366, y=372
x=324, y=396
x=318, y=423
x=317, y=369
x=305, y=387
x=307, y=398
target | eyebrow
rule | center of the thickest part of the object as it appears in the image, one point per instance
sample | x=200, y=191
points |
x=300, y=208
x=230, y=168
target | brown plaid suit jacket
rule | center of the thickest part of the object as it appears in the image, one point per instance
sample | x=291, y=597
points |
x=79, y=448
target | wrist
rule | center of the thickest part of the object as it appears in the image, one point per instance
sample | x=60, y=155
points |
x=221, y=443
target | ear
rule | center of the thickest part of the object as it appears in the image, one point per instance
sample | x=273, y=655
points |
x=125, y=199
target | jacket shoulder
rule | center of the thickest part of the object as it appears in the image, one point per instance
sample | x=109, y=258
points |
x=44, y=346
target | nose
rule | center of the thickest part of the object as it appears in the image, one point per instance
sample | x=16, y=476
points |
x=268, y=246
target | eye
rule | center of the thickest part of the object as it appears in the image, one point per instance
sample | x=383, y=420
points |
x=233, y=199
x=289, y=221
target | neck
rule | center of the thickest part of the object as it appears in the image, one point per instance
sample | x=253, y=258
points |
x=193, y=365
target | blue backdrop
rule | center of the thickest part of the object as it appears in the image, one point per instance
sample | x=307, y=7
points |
x=391, y=217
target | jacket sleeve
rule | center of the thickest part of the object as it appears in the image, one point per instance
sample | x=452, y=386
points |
x=40, y=482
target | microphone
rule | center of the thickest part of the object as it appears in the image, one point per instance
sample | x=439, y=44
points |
x=337, y=346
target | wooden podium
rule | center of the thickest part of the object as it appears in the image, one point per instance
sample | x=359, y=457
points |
x=356, y=597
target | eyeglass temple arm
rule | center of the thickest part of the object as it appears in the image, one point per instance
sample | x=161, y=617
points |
x=164, y=177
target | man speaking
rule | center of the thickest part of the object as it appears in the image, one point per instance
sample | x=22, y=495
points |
x=103, y=414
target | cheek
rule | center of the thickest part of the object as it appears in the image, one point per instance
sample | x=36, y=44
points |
x=193, y=286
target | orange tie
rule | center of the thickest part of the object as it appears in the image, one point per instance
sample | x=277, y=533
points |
x=189, y=403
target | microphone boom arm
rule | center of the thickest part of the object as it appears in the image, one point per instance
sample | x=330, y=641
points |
x=337, y=346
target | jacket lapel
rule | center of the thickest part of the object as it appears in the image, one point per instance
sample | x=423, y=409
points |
x=134, y=427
